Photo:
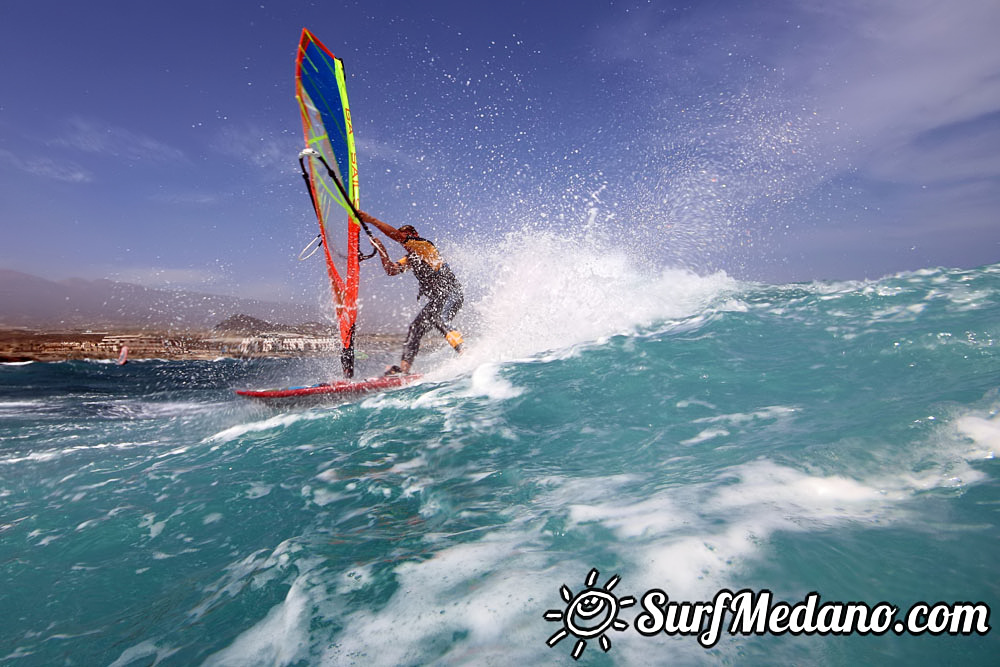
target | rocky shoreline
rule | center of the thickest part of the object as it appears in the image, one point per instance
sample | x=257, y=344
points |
x=19, y=345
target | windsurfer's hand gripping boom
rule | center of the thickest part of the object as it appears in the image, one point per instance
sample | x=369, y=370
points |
x=398, y=235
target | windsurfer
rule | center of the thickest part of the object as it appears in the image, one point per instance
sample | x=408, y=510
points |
x=437, y=283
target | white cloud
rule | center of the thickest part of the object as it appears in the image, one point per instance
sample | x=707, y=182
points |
x=262, y=148
x=99, y=138
x=881, y=77
x=923, y=65
x=967, y=155
x=897, y=72
x=375, y=150
x=47, y=167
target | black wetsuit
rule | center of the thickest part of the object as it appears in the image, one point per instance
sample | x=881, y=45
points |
x=438, y=284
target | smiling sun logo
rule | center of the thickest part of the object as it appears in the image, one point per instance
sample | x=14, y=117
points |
x=590, y=613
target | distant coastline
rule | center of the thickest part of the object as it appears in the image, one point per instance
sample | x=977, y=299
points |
x=39, y=304
x=18, y=345
x=46, y=320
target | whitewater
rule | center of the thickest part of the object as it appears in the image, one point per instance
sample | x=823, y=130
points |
x=673, y=431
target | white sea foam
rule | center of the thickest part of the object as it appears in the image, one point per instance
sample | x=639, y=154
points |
x=281, y=638
x=983, y=431
x=704, y=436
x=322, y=497
x=691, y=539
x=155, y=527
x=772, y=412
x=485, y=590
x=695, y=538
x=155, y=409
x=272, y=423
x=17, y=406
x=57, y=453
x=583, y=290
x=258, y=490
x=146, y=649
x=447, y=405
x=486, y=381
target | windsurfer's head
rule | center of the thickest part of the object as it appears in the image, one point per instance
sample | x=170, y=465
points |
x=409, y=231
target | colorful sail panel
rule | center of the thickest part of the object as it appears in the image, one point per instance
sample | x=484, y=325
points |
x=321, y=91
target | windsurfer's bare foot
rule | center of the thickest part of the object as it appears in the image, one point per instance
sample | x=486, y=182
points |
x=402, y=369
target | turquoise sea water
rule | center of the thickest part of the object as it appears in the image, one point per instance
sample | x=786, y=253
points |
x=695, y=435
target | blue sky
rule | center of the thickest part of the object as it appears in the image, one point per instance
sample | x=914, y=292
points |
x=778, y=141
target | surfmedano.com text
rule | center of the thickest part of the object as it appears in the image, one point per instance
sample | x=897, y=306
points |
x=755, y=613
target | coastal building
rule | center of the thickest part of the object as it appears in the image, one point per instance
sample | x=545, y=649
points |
x=143, y=345
x=287, y=343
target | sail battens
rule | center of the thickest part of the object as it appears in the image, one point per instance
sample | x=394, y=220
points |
x=321, y=91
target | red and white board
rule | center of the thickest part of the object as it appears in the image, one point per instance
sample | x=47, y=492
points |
x=321, y=393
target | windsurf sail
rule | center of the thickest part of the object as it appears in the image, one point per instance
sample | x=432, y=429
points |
x=332, y=175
